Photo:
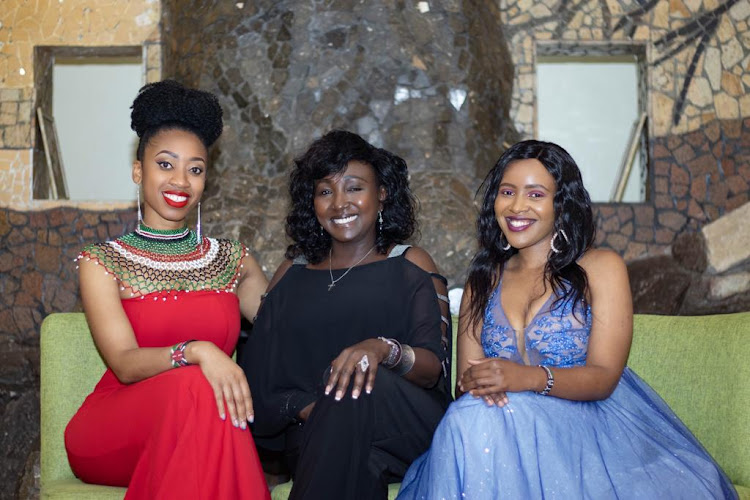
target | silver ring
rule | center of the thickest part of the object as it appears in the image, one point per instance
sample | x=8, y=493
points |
x=364, y=363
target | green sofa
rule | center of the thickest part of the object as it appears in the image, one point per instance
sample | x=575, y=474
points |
x=698, y=364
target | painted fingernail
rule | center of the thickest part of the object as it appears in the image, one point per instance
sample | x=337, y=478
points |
x=251, y=418
x=355, y=393
x=328, y=390
x=339, y=395
x=235, y=422
x=223, y=416
x=243, y=425
x=368, y=390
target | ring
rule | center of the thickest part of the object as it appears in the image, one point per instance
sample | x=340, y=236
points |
x=364, y=363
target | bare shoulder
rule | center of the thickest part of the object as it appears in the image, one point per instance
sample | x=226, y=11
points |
x=92, y=273
x=605, y=271
x=420, y=257
x=280, y=272
x=602, y=260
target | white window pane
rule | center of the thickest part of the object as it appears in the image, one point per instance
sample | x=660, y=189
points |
x=91, y=106
x=589, y=109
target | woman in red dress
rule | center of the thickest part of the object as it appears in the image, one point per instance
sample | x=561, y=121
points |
x=169, y=417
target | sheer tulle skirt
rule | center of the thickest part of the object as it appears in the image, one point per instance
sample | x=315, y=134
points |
x=630, y=445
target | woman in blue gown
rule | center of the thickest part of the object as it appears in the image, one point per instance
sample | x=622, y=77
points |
x=549, y=409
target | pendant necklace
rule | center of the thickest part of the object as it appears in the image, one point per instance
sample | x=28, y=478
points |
x=330, y=264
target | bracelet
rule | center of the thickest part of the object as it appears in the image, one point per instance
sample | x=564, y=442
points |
x=177, y=354
x=394, y=356
x=550, y=380
x=406, y=362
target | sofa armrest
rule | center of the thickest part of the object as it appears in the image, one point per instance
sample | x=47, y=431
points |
x=70, y=368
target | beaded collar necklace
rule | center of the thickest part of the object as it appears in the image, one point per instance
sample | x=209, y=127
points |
x=167, y=242
x=160, y=263
x=161, y=234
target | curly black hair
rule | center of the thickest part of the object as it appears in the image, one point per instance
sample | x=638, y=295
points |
x=169, y=105
x=573, y=215
x=330, y=155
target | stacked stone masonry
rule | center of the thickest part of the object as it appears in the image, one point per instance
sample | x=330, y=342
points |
x=37, y=277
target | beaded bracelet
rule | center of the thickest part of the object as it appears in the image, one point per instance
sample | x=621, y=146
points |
x=177, y=353
x=394, y=355
x=550, y=381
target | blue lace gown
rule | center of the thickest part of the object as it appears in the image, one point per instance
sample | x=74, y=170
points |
x=630, y=445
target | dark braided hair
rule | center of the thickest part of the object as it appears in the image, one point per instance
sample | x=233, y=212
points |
x=168, y=105
x=330, y=155
x=572, y=214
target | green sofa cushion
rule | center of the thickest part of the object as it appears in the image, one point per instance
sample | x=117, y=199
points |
x=701, y=367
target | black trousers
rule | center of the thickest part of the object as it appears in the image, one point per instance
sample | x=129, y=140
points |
x=352, y=449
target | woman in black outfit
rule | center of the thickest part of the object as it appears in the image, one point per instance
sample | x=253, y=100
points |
x=349, y=354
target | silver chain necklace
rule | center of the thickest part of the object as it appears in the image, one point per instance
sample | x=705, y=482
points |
x=330, y=266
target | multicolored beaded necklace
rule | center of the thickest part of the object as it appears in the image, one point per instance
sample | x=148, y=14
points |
x=151, y=260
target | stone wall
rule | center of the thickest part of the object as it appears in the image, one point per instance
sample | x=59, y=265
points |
x=37, y=277
x=427, y=80
x=697, y=177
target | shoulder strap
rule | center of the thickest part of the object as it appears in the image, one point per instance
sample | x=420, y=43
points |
x=398, y=250
x=299, y=260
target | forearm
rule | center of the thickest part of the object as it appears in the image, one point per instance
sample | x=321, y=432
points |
x=141, y=363
x=418, y=365
x=488, y=376
x=581, y=383
x=426, y=370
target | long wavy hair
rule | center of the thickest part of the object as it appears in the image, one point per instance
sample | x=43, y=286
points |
x=573, y=215
x=330, y=155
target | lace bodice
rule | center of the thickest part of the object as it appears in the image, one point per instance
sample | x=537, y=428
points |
x=555, y=337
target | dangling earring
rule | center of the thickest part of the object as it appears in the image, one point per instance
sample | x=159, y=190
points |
x=380, y=221
x=507, y=245
x=138, y=196
x=552, y=242
x=198, y=229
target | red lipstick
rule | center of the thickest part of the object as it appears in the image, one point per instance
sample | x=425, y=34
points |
x=177, y=199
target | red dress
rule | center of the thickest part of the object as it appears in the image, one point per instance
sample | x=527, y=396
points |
x=162, y=437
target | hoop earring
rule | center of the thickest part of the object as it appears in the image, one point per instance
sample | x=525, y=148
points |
x=198, y=229
x=507, y=243
x=552, y=242
x=138, y=196
x=380, y=221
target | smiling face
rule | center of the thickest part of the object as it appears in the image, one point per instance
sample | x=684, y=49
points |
x=524, y=207
x=346, y=204
x=173, y=175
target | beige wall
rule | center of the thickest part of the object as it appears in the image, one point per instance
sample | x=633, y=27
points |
x=718, y=89
x=79, y=23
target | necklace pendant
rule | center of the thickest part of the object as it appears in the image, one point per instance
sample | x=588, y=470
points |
x=331, y=286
